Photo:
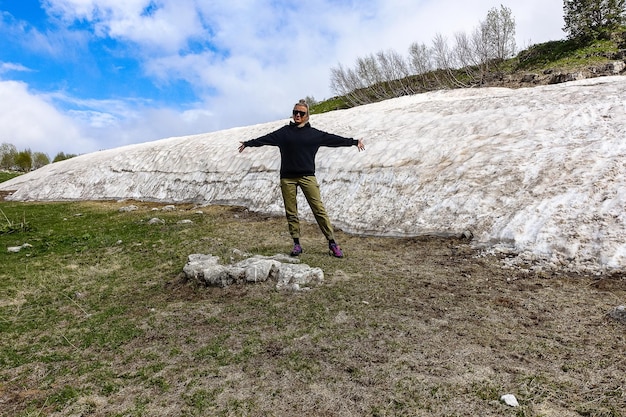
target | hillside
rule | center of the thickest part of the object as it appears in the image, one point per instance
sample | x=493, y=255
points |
x=552, y=62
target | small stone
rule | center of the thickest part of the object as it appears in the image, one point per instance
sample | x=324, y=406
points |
x=510, y=400
x=127, y=209
x=619, y=313
x=16, y=249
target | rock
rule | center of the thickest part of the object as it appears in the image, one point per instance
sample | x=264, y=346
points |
x=280, y=257
x=207, y=270
x=127, y=209
x=615, y=67
x=156, y=220
x=295, y=276
x=619, y=313
x=16, y=249
x=509, y=399
x=257, y=270
x=288, y=276
x=566, y=77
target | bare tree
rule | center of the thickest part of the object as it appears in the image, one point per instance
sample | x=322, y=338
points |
x=419, y=58
x=387, y=74
x=338, y=80
x=446, y=60
x=421, y=64
x=341, y=84
x=473, y=54
x=499, y=33
x=373, y=77
x=346, y=82
x=395, y=72
x=442, y=56
x=490, y=43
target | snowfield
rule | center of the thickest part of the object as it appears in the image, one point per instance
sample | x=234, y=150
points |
x=535, y=172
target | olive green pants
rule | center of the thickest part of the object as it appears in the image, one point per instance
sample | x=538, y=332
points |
x=309, y=186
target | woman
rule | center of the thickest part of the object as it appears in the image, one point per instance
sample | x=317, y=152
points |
x=298, y=143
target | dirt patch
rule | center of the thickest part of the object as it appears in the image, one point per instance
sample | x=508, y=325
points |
x=423, y=326
x=4, y=194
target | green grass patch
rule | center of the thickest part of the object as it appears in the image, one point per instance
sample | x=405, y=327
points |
x=8, y=225
x=335, y=103
x=565, y=55
x=7, y=175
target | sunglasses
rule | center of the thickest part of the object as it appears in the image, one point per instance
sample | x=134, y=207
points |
x=298, y=112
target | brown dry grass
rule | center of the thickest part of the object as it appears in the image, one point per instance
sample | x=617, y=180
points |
x=406, y=327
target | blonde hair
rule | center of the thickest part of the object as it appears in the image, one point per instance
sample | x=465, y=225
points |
x=302, y=103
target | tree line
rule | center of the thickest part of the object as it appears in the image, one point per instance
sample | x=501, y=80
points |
x=388, y=74
x=470, y=60
x=26, y=160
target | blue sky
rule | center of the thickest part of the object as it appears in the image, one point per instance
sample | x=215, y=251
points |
x=82, y=75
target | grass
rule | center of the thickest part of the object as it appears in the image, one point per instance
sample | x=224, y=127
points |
x=335, y=103
x=6, y=175
x=12, y=226
x=565, y=55
x=97, y=320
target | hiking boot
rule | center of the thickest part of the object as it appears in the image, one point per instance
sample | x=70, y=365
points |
x=335, y=250
x=297, y=250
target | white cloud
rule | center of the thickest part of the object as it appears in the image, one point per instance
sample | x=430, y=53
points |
x=27, y=120
x=9, y=66
x=166, y=25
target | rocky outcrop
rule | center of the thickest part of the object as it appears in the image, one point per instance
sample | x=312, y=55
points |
x=554, y=76
x=287, y=272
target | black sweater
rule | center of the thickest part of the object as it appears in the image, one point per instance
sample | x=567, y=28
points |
x=298, y=147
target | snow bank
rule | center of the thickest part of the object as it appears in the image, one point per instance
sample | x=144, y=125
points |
x=540, y=172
